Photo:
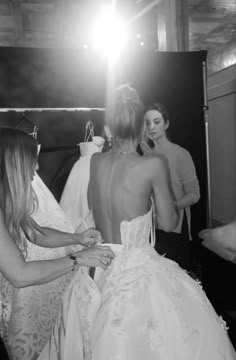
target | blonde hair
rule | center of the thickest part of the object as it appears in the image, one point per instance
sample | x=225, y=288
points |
x=18, y=157
x=124, y=114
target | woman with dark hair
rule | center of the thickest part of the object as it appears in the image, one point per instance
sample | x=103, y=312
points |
x=143, y=306
x=184, y=182
x=18, y=163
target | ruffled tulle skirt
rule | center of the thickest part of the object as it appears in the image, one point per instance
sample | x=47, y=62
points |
x=143, y=307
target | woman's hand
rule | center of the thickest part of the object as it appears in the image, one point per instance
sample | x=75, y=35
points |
x=101, y=256
x=89, y=237
x=145, y=148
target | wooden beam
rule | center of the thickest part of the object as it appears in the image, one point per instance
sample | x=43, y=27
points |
x=172, y=25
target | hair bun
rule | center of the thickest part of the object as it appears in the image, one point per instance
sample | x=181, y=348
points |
x=126, y=94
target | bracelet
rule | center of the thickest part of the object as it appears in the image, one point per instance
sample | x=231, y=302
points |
x=74, y=261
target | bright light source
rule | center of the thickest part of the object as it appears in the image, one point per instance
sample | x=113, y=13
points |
x=230, y=60
x=109, y=33
x=142, y=43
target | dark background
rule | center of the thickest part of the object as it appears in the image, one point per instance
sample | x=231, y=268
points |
x=50, y=78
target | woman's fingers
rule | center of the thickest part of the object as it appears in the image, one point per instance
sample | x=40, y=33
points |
x=106, y=258
x=145, y=147
x=94, y=234
x=103, y=266
x=105, y=262
x=106, y=251
x=93, y=237
x=96, y=256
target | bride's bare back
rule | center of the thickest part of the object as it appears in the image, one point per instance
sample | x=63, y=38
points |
x=120, y=188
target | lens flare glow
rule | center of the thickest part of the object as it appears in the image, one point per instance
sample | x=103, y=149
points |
x=109, y=33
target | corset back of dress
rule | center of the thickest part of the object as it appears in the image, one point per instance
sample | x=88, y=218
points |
x=136, y=233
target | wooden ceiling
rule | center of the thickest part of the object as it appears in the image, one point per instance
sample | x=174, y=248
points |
x=212, y=27
x=65, y=23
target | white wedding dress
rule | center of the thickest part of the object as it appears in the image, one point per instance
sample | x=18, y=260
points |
x=74, y=196
x=28, y=315
x=143, y=307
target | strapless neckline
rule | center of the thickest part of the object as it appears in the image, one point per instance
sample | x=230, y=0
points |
x=134, y=233
x=137, y=218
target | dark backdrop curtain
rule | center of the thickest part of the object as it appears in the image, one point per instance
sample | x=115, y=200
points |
x=69, y=78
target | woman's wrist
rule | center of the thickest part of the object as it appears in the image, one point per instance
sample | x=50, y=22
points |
x=68, y=264
x=77, y=238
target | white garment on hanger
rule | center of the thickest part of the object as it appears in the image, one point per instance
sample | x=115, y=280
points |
x=74, y=196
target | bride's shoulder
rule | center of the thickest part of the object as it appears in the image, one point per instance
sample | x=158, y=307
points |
x=99, y=156
x=153, y=165
x=98, y=159
x=153, y=160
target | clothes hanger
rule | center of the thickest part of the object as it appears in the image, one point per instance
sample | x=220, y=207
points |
x=24, y=118
x=89, y=131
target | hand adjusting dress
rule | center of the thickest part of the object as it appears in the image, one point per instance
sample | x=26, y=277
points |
x=143, y=306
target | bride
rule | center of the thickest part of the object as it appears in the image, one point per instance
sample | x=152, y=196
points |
x=143, y=306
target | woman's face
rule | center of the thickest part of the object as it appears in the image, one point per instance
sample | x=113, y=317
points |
x=155, y=126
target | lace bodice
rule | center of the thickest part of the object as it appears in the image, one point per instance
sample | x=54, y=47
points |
x=135, y=233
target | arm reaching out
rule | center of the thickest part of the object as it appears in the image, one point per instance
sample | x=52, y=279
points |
x=21, y=273
x=54, y=238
